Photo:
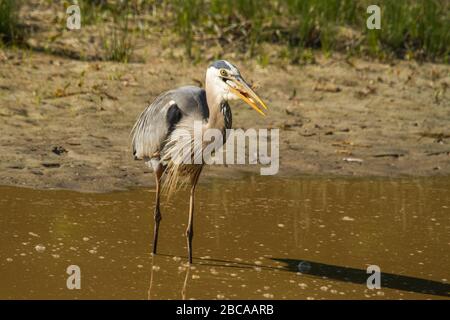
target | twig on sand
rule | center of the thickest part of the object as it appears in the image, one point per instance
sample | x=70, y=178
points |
x=437, y=153
x=354, y=160
x=63, y=94
x=389, y=154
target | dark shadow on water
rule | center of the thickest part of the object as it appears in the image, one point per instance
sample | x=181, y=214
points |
x=358, y=276
x=338, y=273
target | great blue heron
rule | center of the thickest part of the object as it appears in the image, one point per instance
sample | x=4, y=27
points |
x=166, y=126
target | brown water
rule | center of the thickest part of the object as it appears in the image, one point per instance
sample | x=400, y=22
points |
x=252, y=237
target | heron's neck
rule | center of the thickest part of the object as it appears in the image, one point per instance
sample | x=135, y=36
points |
x=215, y=101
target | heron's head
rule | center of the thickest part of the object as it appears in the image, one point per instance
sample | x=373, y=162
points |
x=225, y=80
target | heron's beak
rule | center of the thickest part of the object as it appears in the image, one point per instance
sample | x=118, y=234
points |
x=240, y=88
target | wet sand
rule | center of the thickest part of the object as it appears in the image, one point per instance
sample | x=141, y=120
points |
x=255, y=238
x=65, y=123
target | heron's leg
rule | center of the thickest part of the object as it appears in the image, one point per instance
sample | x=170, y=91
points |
x=158, y=173
x=190, y=227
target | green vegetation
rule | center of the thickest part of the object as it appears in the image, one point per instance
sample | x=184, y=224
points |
x=409, y=28
x=9, y=30
x=114, y=19
x=93, y=11
x=118, y=40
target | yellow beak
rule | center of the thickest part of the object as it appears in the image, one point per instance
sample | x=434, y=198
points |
x=243, y=91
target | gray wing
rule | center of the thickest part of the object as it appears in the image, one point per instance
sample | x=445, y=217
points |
x=158, y=120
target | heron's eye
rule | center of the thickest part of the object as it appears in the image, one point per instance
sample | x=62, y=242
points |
x=223, y=73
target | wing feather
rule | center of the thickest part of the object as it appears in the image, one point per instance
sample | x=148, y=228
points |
x=159, y=119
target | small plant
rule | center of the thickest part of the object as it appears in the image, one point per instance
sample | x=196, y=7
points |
x=188, y=13
x=118, y=41
x=9, y=16
x=93, y=10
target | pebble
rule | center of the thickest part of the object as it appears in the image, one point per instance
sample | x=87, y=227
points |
x=40, y=248
x=214, y=271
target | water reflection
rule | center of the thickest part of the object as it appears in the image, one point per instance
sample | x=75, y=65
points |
x=183, y=290
x=184, y=268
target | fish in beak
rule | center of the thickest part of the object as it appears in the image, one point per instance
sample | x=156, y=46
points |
x=241, y=89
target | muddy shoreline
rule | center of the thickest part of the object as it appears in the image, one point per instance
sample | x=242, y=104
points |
x=65, y=123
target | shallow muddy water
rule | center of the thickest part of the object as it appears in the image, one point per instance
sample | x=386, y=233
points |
x=257, y=238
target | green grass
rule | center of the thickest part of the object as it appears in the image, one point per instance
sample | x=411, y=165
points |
x=409, y=28
x=118, y=42
x=115, y=19
x=187, y=13
x=413, y=29
x=9, y=27
x=93, y=11
x=418, y=29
